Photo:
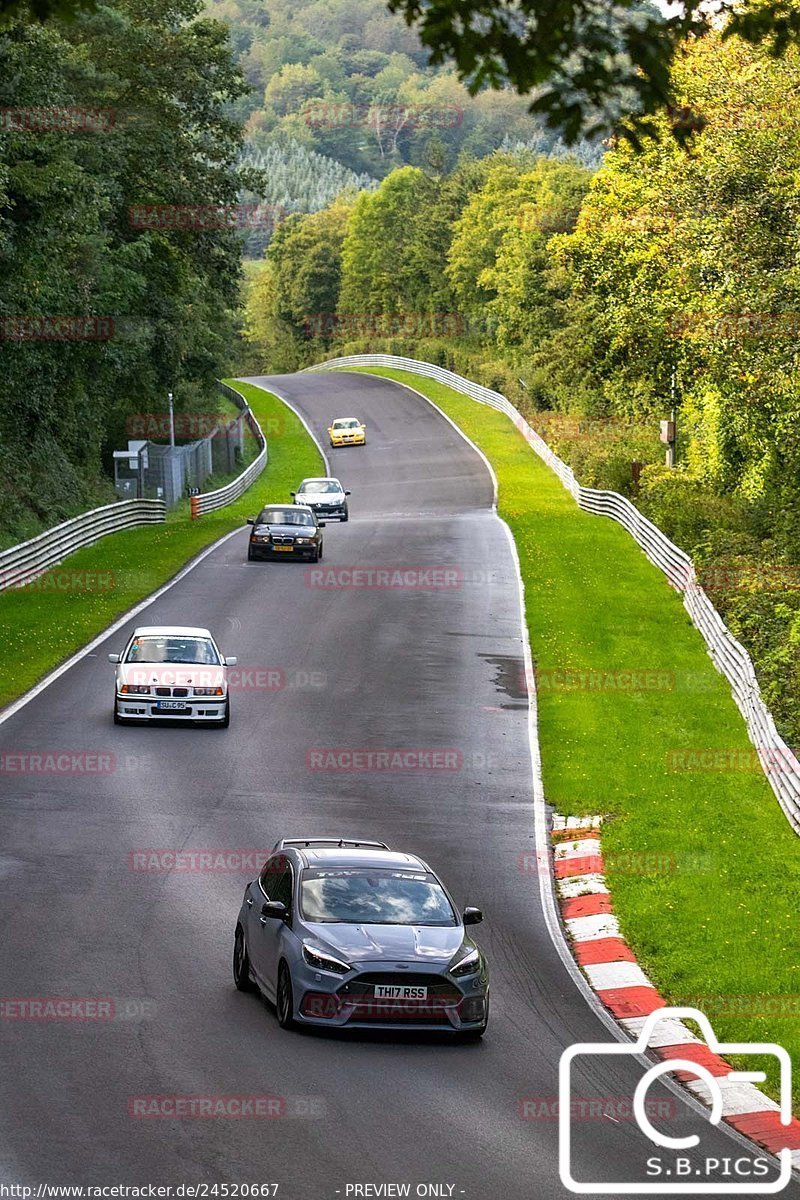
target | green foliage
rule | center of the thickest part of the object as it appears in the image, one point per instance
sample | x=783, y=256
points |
x=587, y=65
x=352, y=82
x=40, y=628
x=730, y=861
x=163, y=76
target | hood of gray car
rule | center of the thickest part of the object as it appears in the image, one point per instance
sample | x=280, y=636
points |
x=406, y=943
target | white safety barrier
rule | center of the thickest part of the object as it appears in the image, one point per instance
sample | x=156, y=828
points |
x=206, y=502
x=728, y=655
x=23, y=563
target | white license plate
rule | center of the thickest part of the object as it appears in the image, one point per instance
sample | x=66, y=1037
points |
x=385, y=991
x=172, y=706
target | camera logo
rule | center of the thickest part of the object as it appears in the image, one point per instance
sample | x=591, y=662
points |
x=671, y=1145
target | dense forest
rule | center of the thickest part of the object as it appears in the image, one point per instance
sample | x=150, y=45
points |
x=109, y=119
x=596, y=301
x=347, y=80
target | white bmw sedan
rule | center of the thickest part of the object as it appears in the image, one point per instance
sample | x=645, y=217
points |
x=172, y=672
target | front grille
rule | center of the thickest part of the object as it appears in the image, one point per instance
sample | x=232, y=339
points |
x=283, y=541
x=162, y=691
x=180, y=691
x=398, y=979
x=166, y=691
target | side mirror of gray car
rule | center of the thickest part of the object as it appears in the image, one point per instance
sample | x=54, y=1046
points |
x=347, y=493
x=251, y=520
x=472, y=916
x=115, y=658
x=231, y=662
x=292, y=493
x=275, y=909
x=320, y=524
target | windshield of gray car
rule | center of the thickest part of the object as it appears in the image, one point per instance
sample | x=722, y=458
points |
x=285, y=516
x=172, y=650
x=374, y=896
x=319, y=485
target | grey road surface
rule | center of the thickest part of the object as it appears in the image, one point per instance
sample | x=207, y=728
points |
x=413, y=667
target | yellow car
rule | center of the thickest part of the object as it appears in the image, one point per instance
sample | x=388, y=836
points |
x=347, y=431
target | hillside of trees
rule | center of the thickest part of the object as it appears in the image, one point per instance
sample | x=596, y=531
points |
x=596, y=301
x=349, y=80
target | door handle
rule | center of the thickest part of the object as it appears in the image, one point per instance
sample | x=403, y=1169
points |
x=263, y=920
x=248, y=902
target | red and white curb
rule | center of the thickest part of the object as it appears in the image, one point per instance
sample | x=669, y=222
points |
x=611, y=968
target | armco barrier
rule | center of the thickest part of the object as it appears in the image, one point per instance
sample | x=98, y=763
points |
x=208, y=501
x=23, y=563
x=729, y=656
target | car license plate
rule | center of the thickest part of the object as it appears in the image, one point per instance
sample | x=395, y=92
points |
x=172, y=706
x=284, y=549
x=385, y=991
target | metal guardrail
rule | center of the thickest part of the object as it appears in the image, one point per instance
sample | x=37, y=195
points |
x=207, y=502
x=779, y=763
x=22, y=564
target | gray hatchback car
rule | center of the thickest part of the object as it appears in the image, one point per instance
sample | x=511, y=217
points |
x=344, y=933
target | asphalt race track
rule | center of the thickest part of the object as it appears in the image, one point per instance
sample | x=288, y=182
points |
x=415, y=667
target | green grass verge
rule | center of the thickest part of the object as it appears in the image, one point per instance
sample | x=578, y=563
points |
x=703, y=866
x=39, y=628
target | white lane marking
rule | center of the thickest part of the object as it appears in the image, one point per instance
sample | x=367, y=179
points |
x=587, y=848
x=589, y=929
x=581, y=885
x=616, y=975
x=86, y=650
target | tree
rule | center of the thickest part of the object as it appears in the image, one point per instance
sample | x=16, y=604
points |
x=584, y=62
x=389, y=265
x=83, y=234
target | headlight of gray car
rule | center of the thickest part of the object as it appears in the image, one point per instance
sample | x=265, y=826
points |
x=466, y=962
x=321, y=961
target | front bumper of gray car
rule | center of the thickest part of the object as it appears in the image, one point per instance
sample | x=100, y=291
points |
x=450, y=1004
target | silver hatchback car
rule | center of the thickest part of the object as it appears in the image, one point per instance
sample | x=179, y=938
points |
x=344, y=933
